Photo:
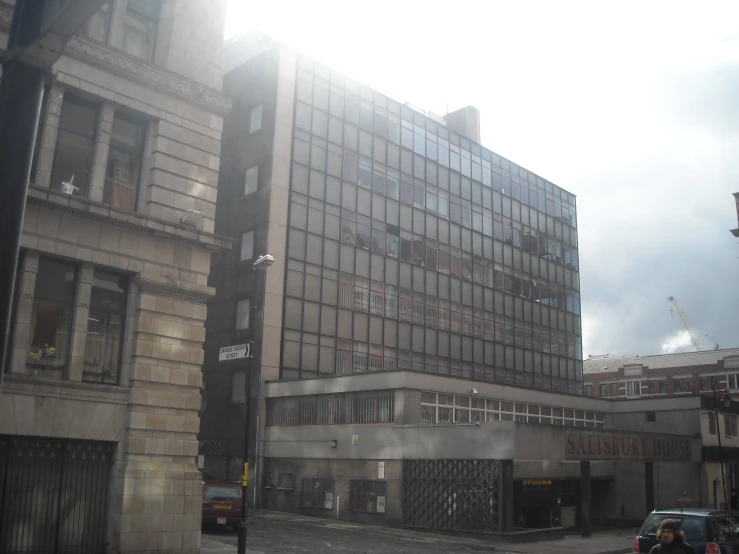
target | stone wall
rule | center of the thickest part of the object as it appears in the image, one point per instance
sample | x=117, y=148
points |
x=341, y=472
x=152, y=412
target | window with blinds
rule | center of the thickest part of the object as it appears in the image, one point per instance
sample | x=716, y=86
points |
x=332, y=409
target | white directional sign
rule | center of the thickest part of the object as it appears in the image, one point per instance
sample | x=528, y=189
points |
x=233, y=352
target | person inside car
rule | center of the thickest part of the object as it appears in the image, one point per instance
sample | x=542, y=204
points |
x=671, y=540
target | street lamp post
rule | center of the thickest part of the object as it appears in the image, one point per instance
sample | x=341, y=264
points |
x=259, y=268
x=725, y=402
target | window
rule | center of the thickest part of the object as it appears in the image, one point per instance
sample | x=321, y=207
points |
x=123, y=171
x=614, y=389
x=729, y=425
x=238, y=386
x=251, y=180
x=247, y=246
x=650, y=417
x=255, y=119
x=242, y=314
x=677, y=385
x=711, y=423
x=51, y=319
x=704, y=384
x=588, y=390
x=332, y=409
x=604, y=390
x=368, y=496
x=97, y=27
x=140, y=28
x=316, y=492
x=221, y=493
x=74, y=146
x=105, y=328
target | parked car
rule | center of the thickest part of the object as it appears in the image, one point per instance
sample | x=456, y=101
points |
x=221, y=504
x=708, y=531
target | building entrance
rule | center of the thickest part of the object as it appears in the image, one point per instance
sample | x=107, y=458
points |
x=459, y=495
x=53, y=495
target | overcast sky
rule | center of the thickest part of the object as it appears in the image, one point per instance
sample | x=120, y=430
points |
x=631, y=106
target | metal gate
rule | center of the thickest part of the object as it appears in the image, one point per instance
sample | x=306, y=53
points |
x=451, y=494
x=53, y=495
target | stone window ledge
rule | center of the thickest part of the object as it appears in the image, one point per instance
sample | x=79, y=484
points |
x=87, y=209
x=71, y=390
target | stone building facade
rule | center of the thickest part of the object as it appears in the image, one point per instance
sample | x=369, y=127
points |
x=110, y=305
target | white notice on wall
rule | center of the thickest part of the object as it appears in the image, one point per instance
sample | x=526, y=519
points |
x=328, y=500
x=380, y=504
x=355, y=439
x=380, y=470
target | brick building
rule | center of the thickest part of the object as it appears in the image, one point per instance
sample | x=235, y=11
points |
x=99, y=409
x=623, y=377
x=650, y=381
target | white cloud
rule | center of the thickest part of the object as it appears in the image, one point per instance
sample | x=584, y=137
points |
x=680, y=341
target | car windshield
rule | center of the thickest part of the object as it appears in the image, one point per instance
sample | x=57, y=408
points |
x=220, y=493
x=693, y=527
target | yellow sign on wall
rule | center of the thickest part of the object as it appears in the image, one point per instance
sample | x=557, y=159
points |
x=245, y=476
x=536, y=482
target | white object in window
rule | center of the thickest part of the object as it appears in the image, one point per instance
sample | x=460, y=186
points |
x=251, y=180
x=255, y=119
x=242, y=314
x=247, y=245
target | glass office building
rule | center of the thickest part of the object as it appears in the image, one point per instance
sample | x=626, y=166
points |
x=419, y=280
x=411, y=247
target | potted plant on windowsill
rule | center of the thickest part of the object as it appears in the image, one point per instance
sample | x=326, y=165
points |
x=42, y=362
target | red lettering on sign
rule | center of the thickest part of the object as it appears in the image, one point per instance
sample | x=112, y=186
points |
x=570, y=445
x=593, y=445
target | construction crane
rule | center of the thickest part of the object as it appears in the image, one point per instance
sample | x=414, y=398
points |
x=688, y=327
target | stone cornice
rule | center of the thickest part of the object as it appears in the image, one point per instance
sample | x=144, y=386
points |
x=172, y=288
x=140, y=70
x=129, y=221
x=148, y=73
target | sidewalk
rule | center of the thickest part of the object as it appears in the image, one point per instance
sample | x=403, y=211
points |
x=277, y=533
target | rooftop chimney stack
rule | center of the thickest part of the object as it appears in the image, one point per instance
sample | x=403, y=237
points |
x=466, y=122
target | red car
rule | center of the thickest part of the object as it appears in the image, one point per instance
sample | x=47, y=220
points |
x=221, y=504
